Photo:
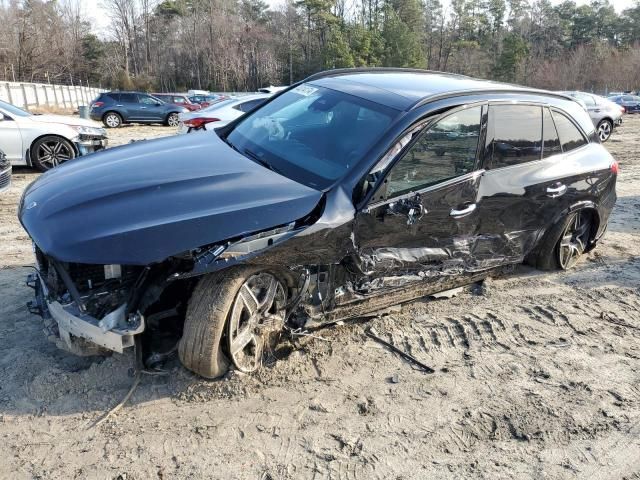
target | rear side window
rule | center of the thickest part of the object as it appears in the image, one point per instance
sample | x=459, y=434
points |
x=113, y=96
x=570, y=136
x=551, y=141
x=129, y=97
x=515, y=135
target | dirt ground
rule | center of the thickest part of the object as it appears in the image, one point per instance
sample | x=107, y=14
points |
x=537, y=376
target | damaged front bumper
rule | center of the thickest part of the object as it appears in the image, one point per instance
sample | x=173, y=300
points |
x=79, y=332
x=87, y=144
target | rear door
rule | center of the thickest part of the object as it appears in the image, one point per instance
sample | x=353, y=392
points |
x=129, y=106
x=421, y=223
x=524, y=187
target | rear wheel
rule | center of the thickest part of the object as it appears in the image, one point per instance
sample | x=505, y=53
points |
x=605, y=129
x=112, y=120
x=50, y=151
x=565, y=243
x=232, y=317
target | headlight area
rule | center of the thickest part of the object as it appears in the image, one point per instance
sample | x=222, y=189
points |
x=90, y=139
x=87, y=303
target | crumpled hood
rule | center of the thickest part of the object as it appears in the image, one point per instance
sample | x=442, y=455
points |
x=147, y=201
x=66, y=120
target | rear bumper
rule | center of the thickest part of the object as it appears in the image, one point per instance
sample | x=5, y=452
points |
x=75, y=328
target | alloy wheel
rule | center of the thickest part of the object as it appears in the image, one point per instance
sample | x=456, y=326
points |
x=173, y=120
x=112, y=120
x=53, y=152
x=604, y=131
x=574, y=239
x=257, y=313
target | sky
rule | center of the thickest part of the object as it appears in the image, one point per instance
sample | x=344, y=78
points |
x=100, y=19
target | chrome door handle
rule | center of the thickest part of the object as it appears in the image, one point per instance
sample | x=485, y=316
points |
x=465, y=211
x=142, y=108
x=557, y=191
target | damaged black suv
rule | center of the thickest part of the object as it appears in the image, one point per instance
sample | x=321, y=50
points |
x=346, y=193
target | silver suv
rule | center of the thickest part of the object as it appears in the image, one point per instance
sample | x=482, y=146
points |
x=605, y=114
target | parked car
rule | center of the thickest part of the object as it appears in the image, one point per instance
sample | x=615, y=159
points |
x=329, y=201
x=605, y=114
x=631, y=103
x=221, y=113
x=45, y=141
x=207, y=100
x=5, y=172
x=178, y=99
x=117, y=108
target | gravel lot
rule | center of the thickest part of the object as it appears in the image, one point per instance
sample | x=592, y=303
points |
x=537, y=376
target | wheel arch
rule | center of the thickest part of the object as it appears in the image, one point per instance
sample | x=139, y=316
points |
x=588, y=205
x=113, y=111
x=35, y=140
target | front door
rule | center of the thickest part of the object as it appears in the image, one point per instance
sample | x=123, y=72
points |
x=422, y=223
x=150, y=109
x=11, y=139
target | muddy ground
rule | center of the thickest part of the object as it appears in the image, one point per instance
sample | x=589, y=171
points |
x=537, y=376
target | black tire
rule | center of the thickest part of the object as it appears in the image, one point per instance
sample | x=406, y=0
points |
x=547, y=255
x=605, y=130
x=201, y=347
x=112, y=120
x=173, y=120
x=50, y=151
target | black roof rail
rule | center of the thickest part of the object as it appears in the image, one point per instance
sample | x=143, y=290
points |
x=497, y=90
x=346, y=71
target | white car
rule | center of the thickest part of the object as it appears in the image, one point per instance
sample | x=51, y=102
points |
x=45, y=141
x=221, y=113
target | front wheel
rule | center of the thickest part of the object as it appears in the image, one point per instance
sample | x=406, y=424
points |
x=173, y=120
x=50, y=151
x=231, y=318
x=605, y=129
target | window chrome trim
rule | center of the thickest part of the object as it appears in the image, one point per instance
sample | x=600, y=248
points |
x=452, y=181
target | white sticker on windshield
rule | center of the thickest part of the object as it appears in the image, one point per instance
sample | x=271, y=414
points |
x=305, y=90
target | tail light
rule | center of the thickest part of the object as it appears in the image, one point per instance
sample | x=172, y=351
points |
x=615, y=168
x=200, y=121
x=97, y=104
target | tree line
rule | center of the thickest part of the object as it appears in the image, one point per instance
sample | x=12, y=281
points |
x=237, y=45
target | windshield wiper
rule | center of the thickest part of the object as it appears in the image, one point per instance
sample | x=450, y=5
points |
x=254, y=156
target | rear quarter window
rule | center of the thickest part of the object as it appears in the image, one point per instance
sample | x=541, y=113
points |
x=570, y=136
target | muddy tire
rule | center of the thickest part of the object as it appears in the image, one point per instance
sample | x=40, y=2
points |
x=228, y=323
x=571, y=234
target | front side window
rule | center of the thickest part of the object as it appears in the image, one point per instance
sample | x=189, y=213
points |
x=515, y=135
x=312, y=134
x=570, y=136
x=148, y=100
x=445, y=150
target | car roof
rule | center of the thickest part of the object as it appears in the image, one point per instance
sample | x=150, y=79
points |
x=407, y=88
